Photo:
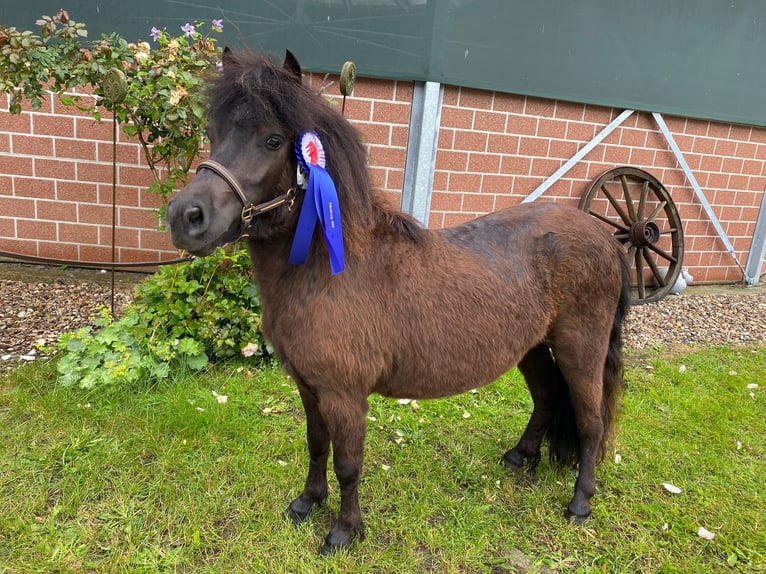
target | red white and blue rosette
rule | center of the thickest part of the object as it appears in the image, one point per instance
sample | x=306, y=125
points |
x=320, y=204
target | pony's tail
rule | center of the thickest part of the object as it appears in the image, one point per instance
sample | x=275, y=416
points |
x=562, y=435
x=613, y=368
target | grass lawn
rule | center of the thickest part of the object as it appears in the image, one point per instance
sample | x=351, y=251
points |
x=170, y=479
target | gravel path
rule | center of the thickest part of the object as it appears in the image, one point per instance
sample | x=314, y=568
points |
x=38, y=304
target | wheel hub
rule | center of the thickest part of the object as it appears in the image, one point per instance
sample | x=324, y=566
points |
x=644, y=233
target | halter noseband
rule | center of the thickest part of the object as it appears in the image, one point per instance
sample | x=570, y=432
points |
x=249, y=209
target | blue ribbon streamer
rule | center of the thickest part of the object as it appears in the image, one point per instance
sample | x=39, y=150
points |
x=320, y=205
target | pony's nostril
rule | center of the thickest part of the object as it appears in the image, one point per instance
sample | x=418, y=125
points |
x=194, y=217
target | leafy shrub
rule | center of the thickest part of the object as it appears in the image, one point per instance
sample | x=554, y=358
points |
x=181, y=318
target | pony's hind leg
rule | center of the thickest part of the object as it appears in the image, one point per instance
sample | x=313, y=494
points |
x=318, y=439
x=544, y=381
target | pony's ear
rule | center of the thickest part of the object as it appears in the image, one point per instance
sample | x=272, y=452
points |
x=291, y=65
x=228, y=56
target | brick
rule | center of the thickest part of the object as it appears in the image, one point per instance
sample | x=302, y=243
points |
x=36, y=229
x=508, y=103
x=395, y=180
x=125, y=236
x=137, y=176
x=16, y=207
x=34, y=187
x=562, y=149
x=446, y=201
x=551, y=128
x=711, y=163
x=746, y=150
x=136, y=218
x=484, y=163
x=97, y=214
x=503, y=143
x=95, y=253
x=88, y=129
x=126, y=195
x=358, y=110
x=521, y=125
x=489, y=121
x=374, y=89
x=453, y=219
x=539, y=107
x=534, y=146
x=450, y=96
x=465, y=182
x=54, y=169
x=471, y=141
x=570, y=111
x=632, y=137
x=18, y=123
x=77, y=233
x=697, y=127
x=515, y=165
x=148, y=200
x=478, y=202
x=378, y=177
x=400, y=135
x=718, y=130
x=7, y=227
x=376, y=133
x=56, y=211
x=725, y=147
x=452, y=160
x=32, y=145
x=57, y=250
x=76, y=191
x=5, y=143
x=505, y=201
x=598, y=114
x=403, y=91
x=94, y=172
x=382, y=156
x=397, y=113
x=75, y=149
x=473, y=98
x=545, y=167
x=458, y=118
x=580, y=131
x=617, y=155
x=642, y=157
x=57, y=126
x=739, y=132
x=500, y=183
x=13, y=165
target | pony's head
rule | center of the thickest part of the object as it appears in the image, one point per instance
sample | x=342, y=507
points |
x=256, y=111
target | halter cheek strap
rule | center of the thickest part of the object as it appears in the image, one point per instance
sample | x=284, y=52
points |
x=249, y=209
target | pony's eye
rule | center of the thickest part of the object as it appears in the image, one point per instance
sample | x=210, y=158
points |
x=274, y=142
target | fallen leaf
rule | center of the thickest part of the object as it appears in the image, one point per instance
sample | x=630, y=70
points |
x=671, y=488
x=682, y=369
x=250, y=349
x=705, y=533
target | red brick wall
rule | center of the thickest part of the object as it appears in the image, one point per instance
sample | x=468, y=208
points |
x=494, y=149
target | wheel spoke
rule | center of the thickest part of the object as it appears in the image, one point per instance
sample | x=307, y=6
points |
x=662, y=253
x=655, y=270
x=642, y=199
x=640, y=275
x=615, y=224
x=628, y=198
x=617, y=207
x=656, y=211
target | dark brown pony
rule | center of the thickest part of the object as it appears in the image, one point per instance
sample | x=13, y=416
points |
x=416, y=313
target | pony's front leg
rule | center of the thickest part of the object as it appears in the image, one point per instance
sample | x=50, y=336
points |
x=346, y=422
x=318, y=439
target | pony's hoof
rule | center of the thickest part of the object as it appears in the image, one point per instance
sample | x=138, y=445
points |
x=298, y=511
x=577, y=518
x=339, y=541
x=514, y=460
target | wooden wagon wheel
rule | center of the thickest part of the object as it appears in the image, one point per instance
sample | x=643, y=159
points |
x=640, y=211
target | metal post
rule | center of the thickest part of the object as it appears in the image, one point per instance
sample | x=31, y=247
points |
x=757, y=248
x=696, y=187
x=581, y=153
x=421, y=149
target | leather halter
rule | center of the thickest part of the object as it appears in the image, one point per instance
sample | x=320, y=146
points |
x=249, y=209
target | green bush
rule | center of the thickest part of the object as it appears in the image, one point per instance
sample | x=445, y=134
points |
x=182, y=317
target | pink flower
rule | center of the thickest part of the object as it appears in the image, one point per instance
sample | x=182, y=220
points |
x=188, y=29
x=155, y=33
x=217, y=24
